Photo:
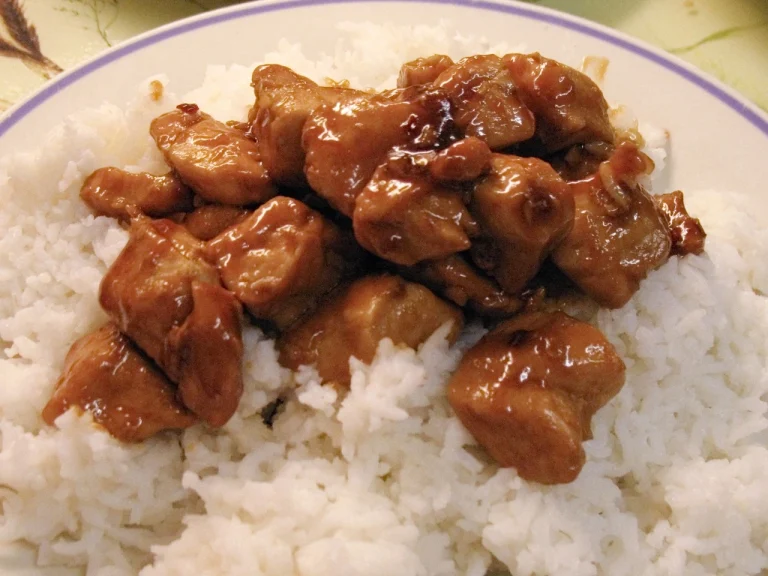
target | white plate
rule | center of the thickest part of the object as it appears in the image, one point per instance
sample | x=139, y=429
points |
x=718, y=139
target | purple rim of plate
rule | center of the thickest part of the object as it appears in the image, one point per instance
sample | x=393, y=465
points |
x=667, y=62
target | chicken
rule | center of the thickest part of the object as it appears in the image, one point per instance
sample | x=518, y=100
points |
x=208, y=221
x=487, y=102
x=161, y=292
x=284, y=101
x=686, y=231
x=283, y=259
x=357, y=318
x=527, y=392
x=568, y=106
x=125, y=393
x=423, y=70
x=218, y=162
x=405, y=216
x=458, y=281
x=618, y=234
x=347, y=141
x=524, y=210
x=119, y=194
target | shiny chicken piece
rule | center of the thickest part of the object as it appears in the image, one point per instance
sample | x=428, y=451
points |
x=403, y=215
x=346, y=142
x=457, y=280
x=569, y=107
x=528, y=390
x=357, y=318
x=119, y=194
x=618, y=234
x=524, y=209
x=218, y=162
x=210, y=220
x=686, y=231
x=106, y=375
x=423, y=70
x=284, y=101
x=153, y=293
x=487, y=102
x=283, y=259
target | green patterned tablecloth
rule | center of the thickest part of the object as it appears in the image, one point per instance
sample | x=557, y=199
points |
x=39, y=38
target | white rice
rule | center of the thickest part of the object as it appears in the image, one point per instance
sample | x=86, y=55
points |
x=386, y=480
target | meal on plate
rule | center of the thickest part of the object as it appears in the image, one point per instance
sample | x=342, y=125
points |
x=445, y=327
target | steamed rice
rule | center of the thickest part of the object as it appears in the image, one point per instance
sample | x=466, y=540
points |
x=384, y=481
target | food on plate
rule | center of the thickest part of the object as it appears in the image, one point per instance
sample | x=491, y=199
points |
x=419, y=366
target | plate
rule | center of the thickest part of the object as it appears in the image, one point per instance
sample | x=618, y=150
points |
x=717, y=138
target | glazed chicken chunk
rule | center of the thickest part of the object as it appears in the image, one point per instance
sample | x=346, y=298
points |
x=423, y=70
x=618, y=234
x=686, y=231
x=210, y=220
x=357, y=318
x=347, y=141
x=125, y=392
x=528, y=390
x=283, y=259
x=119, y=194
x=284, y=101
x=524, y=210
x=405, y=215
x=164, y=295
x=218, y=162
x=487, y=102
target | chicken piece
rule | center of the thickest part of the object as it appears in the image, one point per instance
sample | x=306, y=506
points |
x=528, y=390
x=569, y=107
x=618, y=234
x=106, y=375
x=487, y=102
x=345, y=142
x=166, y=128
x=405, y=217
x=220, y=163
x=210, y=220
x=117, y=193
x=463, y=161
x=284, y=101
x=423, y=70
x=357, y=318
x=283, y=259
x=455, y=279
x=686, y=231
x=524, y=210
x=151, y=292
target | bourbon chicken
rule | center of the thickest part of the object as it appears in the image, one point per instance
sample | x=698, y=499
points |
x=493, y=187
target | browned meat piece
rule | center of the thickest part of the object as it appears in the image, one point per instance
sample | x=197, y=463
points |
x=150, y=293
x=580, y=160
x=403, y=216
x=117, y=193
x=345, y=142
x=283, y=103
x=166, y=128
x=487, y=102
x=356, y=319
x=569, y=107
x=462, y=161
x=208, y=350
x=220, y=163
x=106, y=375
x=524, y=210
x=528, y=390
x=283, y=259
x=423, y=70
x=686, y=231
x=618, y=234
x=210, y=220
x=455, y=279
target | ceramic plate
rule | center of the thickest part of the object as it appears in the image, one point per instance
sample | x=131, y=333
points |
x=718, y=139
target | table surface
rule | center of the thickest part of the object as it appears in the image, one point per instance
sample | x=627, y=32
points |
x=39, y=38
